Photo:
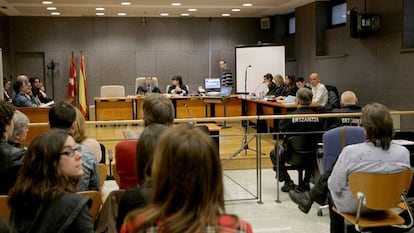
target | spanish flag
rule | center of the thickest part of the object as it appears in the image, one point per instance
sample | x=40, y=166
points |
x=83, y=100
x=72, y=80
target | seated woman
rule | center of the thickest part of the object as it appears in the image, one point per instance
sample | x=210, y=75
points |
x=280, y=85
x=43, y=198
x=79, y=134
x=138, y=197
x=187, y=183
x=378, y=154
x=177, y=86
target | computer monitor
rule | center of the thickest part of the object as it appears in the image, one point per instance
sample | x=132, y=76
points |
x=212, y=84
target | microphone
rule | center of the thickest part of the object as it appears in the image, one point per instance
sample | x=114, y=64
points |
x=248, y=66
x=260, y=84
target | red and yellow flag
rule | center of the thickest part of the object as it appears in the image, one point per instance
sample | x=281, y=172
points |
x=72, y=80
x=83, y=100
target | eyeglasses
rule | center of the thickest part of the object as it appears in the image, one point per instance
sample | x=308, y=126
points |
x=70, y=153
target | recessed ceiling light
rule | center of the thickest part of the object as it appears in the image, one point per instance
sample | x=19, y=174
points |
x=55, y=13
x=225, y=14
x=235, y=10
x=164, y=14
x=47, y=2
x=51, y=8
x=100, y=13
x=121, y=14
x=100, y=8
x=176, y=4
x=247, y=4
x=125, y=3
x=192, y=9
x=185, y=14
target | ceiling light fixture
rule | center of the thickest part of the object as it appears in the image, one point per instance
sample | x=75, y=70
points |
x=176, y=4
x=185, y=14
x=192, y=9
x=125, y=3
x=247, y=4
x=51, y=8
x=100, y=13
x=55, y=13
x=235, y=10
x=100, y=8
x=121, y=14
x=47, y=2
x=225, y=15
x=164, y=14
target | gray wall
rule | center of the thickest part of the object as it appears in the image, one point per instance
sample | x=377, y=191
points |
x=376, y=67
x=117, y=50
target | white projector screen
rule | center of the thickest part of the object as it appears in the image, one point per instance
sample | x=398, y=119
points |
x=262, y=59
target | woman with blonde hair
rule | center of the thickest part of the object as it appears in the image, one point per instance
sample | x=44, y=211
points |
x=79, y=134
x=187, y=188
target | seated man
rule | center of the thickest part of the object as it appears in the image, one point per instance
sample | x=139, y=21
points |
x=296, y=124
x=21, y=86
x=378, y=154
x=349, y=103
x=148, y=87
x=11, y=158
x=319, y=91
x=319, y=192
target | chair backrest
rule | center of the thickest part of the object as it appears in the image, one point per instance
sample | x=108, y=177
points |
x=301, y=149
x=166, y=88
x=4, y=207
x=141, y=80
x=380, y=191
x=125, y=157
x=103, y=172
x=112, y=91
x=335, y=139
x=333, y=98
x=96, y=198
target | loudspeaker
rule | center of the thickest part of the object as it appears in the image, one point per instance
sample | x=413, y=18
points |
x=265, y=23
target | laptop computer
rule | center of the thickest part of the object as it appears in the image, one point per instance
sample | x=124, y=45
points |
x=225, y=91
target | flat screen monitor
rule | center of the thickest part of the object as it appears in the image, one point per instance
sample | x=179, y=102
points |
x=212, y=84
x=338, y=14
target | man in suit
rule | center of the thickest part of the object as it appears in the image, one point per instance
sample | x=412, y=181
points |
x=148, y=87
x=301, y=123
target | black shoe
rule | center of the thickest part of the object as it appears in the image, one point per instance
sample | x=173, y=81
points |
x=281, y=177
x=302, y=199
x=289, y=185
x=303, y=187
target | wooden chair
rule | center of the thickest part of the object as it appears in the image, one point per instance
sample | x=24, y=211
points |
x=96, y=198
x=4, y=207
x=103, y=172
x=379, y=192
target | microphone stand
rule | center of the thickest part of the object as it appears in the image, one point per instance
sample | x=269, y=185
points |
x=245, y=124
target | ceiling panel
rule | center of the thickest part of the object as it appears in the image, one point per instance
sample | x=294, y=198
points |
x=152, y=8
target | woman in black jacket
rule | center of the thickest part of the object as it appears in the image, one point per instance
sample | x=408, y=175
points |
x=43, y=198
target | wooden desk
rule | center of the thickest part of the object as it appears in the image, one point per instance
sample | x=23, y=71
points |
x=114, y=108
x=35, y=115
x=252, y=107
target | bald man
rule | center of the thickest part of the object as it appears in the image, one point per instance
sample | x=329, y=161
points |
x=349, y=103
x=319, y=91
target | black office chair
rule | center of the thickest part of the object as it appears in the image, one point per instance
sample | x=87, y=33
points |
x=301, y=155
